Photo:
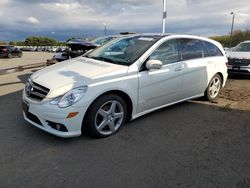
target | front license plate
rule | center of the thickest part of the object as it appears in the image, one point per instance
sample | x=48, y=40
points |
x=25, y=107
x=236, y=68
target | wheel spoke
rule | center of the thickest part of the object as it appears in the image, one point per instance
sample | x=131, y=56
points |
x=118, y=115
x=113, y=107
x=211, y=89
x=217, y=83
x=111, y=126
x=102, y=125
x=103, y=113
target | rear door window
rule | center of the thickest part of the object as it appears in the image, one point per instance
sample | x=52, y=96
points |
x=190, y=49
x=210, y=49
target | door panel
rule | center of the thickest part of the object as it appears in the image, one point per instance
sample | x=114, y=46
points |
x=159, y=87
x=194, y=77
x=195, y=67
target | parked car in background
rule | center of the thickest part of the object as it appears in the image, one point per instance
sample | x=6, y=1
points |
x=239, y=59
x=78, y=47
x=10, y=51
x=122, y=80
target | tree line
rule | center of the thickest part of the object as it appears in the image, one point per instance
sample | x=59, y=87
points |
x=237, y=37
x=35, y=41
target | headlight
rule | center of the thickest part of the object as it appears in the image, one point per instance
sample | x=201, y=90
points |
x=70, y=97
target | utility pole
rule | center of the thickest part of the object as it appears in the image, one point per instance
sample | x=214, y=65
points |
x=232, y=28
x=164, y=16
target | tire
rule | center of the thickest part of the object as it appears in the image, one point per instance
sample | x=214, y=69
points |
x=105, y=116
x=213, y=88
x=20, y=55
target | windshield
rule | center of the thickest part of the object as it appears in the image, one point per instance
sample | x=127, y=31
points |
x=124, y=51
x=242, y=47
x=102, y=40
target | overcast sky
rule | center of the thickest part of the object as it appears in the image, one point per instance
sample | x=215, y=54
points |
x=62, y=19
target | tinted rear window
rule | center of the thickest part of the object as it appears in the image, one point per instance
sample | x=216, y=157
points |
x=190, y=49
x=210, y=49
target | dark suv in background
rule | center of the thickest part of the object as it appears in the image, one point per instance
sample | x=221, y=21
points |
x=10, y=51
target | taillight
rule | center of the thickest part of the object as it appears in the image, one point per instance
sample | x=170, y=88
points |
x=4, y=50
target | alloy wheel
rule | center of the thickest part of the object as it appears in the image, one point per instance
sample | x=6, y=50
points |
x=214, y=87
x=109, y=117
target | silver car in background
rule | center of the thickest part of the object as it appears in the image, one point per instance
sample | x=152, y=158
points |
x=239, y=59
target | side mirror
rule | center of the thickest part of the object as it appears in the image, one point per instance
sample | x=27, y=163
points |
x=153, y=64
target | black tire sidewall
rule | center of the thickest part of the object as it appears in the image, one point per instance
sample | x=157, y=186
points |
x=91, y=114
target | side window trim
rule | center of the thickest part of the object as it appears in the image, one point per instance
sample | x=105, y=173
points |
x=179, y=49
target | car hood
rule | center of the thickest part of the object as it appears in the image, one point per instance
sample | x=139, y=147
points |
x=63, y=76
x=238, y=55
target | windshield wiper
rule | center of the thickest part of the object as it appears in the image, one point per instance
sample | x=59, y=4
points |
x=101, y=58
x=106, y=59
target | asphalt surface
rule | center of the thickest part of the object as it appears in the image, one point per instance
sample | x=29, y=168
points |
x=191, y=144
x=27, y=58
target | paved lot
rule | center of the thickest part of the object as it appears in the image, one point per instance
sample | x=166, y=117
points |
x=28, y=58
x=192, y=144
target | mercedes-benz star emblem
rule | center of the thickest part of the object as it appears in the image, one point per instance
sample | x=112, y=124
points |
x=29, y=89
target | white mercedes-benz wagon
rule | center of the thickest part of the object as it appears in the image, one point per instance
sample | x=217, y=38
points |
x=122, y=80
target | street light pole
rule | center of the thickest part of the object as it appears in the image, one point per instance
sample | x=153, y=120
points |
x=164, y=16
x=232, y=27
x=105, y=28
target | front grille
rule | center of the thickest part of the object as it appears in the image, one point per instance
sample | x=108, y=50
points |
x=239, y=62
x=36, y=91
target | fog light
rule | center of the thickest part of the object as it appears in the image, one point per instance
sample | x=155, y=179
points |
x=57, y=126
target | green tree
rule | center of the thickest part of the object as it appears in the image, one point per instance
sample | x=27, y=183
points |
x=237, y=37
x=12, y=43
x=40, y=41
x=20, y=43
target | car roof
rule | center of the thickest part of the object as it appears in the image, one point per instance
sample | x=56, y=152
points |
x=159, y=36
x=247, y=41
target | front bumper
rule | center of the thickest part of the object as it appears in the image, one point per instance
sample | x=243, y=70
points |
x=41, y=114
x=232, y=69
x=238, y=66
